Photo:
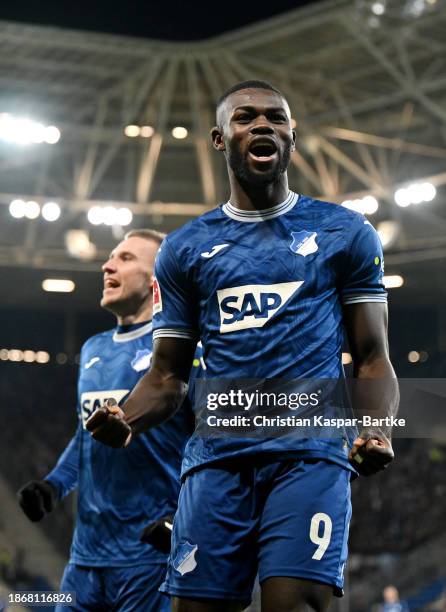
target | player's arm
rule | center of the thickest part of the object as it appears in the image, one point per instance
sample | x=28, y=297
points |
x=156, y=397
x=39, y=497
x=376, y=390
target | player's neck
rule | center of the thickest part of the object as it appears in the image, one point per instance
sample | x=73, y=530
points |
x=144, y=314
x=258, y=197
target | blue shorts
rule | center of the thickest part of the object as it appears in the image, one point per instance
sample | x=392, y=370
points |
x=103, y=589
x=278, y=518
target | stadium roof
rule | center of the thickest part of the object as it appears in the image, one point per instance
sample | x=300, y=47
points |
x=367, y=88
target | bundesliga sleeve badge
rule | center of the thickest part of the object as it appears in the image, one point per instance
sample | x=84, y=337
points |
x=157, y=301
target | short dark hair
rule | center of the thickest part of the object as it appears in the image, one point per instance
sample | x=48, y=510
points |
x=247, y=85
x=147, y=234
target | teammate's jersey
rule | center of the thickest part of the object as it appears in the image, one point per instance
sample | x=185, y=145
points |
x=264, y=290
x=120, y=490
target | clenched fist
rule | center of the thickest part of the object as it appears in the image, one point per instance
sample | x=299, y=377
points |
x=37, y=498
x=107, y=425
x=371, y=452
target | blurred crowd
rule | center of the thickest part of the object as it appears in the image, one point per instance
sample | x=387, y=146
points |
x=39, y=416
x=404, y=506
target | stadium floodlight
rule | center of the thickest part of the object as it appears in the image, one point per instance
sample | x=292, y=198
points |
x=96, y=215
x=429, y=192
x=23, y=131
x=27, y=355
x=132, y=131
x=32, y=210
x=146, y=131
x=415, y=193
x=17, y=209
x=393, y=281
x=179, y=132
x=15, y=355
x=388, y=232
x=52, y=134
x=402, y=197
x=37, y=133
x=51, y=211
x=413, y=356
x=124, y=216
x=110, y=216
x=78, y=244
x=368, y=205
x=378, y=8
x=58, y=285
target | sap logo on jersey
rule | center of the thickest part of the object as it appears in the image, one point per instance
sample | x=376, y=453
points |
x=252, y=305
x=90, y=400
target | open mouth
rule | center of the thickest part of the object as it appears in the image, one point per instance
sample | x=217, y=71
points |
x=263, y=150
x=110, y=283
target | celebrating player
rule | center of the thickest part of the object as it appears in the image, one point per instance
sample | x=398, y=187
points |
x=266, y=281
x=119, y=492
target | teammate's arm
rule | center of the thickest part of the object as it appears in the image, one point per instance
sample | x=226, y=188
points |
x=39, y=497
x=376, y=391
x=156, y=397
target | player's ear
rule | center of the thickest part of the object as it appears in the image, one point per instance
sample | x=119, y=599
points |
x=217, y=139
x=293, y=132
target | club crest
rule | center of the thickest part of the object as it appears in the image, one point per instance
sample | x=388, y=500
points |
x=304, y=243
x=184, y=561
x=142, y=360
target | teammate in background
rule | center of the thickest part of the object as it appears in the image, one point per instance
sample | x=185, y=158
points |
x=266, y=281
x=392, y=602
x=119, y=492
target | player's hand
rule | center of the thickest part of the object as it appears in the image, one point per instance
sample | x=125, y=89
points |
x=159, y=534
x=107, y=425
x=37, y=498
x=371, y=452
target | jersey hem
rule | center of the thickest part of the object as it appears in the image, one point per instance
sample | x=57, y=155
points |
x=287, y=573
x=245, y=598
x=88, y=562
x=278, y=454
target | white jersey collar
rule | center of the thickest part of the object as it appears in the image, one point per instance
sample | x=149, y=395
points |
x=135, y=333
x=252, y=216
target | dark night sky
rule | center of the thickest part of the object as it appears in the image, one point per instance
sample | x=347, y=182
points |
x=162, y=19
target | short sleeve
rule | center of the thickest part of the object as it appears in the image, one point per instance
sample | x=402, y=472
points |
x=174, y=303
x=363, y=268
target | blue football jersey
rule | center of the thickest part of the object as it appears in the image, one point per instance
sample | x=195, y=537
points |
x=120, y=490
x=263, y=291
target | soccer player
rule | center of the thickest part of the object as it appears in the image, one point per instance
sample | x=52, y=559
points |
x=268, y=282
x=119, y=491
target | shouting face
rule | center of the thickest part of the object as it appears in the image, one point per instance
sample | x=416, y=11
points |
x=128, y=276
x=255, y=133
